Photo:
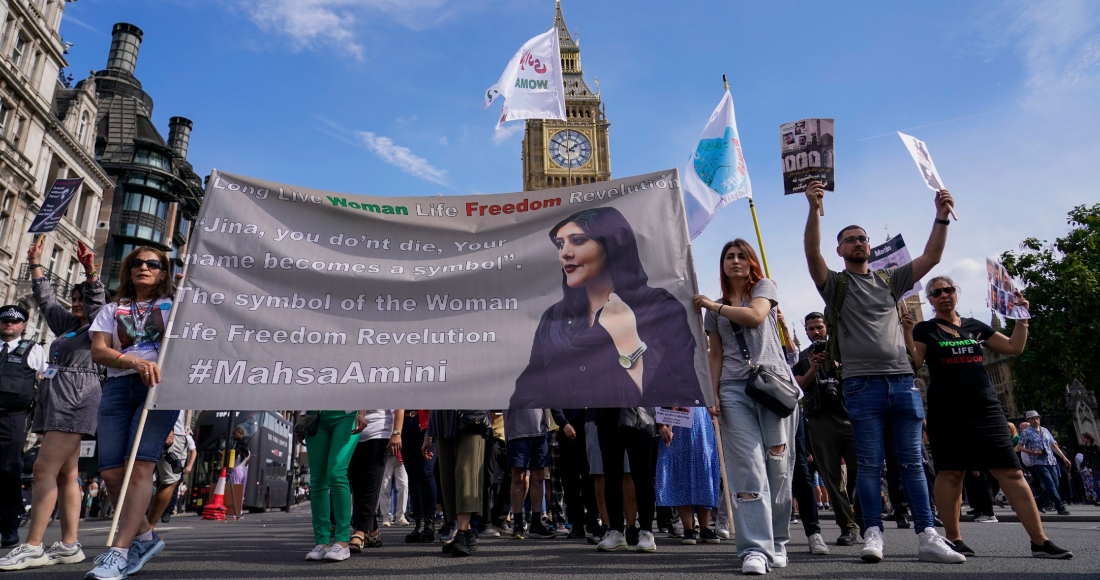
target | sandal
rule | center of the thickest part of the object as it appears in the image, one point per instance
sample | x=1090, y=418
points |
x=373, y=540
x=356, y=543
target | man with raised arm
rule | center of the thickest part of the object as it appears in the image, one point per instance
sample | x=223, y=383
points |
x=861, y=312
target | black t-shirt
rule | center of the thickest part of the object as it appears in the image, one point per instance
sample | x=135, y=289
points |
x=956, y=363
x=816, y=399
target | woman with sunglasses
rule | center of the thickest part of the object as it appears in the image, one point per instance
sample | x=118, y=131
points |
x=966, y=422
x=126, y=338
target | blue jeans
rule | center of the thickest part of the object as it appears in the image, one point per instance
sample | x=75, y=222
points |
x=1045, y=474
x=119, y=413
x=876, y=403
x=760, y=481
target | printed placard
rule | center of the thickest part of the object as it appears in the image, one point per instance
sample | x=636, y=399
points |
x=674, y=417
x=806, y=150
x=1003, y=294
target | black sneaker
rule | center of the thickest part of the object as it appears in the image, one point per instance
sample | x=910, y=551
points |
x=1050, y=551
x=1063, y=512
x=903, y=521
x=577, y=533
x=689, y=537
x=539, y=530
x=461, y=545
x=846, y=540
x=709, y=536
x=427, y=534
x=961, y=547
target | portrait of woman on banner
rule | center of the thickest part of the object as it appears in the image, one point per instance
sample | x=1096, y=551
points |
x=612, y=341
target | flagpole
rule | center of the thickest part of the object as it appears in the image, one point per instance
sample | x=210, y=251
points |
x=760, y=239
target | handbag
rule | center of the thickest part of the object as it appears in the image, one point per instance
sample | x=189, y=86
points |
x=306, y=425
x=641, y=419
x=774, y=392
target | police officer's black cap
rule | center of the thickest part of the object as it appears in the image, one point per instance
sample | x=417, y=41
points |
x=14, y=312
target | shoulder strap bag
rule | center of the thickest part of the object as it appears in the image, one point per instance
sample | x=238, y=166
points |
x=774, y=392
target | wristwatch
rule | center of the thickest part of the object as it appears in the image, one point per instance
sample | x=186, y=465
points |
x=627, y=361
x=398, y=433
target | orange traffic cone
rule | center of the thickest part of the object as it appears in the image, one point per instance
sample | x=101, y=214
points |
x=215, y=510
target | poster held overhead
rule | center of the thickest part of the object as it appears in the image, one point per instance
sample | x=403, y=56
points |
x=924, y=162
x=1003, y=293
x=892, y=254
x=55, y=205
x=806, y=151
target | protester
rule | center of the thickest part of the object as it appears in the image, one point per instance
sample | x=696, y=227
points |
x=526, y=432
x=828, y=429
x=420, y=468
x=965, y=417
x=629, y=430
x=459, y=437
x=329, y=452
x=395, y=482
x=242, y=456
x=169, y=472
x=1090, y=463
x=68, y=400
x=126, y=338
x=1039, y=445
x=599, y=484
x=863, y=322
x=758, y=444
x=688, y=473
x=580, y=501
x=368, y=465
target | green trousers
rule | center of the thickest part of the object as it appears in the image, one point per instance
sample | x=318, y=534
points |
x=329, y=453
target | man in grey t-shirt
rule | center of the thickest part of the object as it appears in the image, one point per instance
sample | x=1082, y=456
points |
x=877, y=377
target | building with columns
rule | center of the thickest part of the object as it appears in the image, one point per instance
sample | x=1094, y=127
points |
x=157, y=193
x=47, y=131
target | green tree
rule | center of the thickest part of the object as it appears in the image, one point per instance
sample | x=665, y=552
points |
x=1063, y=286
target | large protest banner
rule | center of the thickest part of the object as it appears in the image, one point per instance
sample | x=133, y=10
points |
x=296, y=298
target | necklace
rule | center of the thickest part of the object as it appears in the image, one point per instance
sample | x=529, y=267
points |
x=141, y=317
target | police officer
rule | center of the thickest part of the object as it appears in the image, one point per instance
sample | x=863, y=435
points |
x=21, y=361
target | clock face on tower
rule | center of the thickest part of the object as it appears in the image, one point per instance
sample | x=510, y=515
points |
x=570, y=149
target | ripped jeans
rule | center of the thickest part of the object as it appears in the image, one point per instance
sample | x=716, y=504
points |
x=759, y=452
x=876, y=403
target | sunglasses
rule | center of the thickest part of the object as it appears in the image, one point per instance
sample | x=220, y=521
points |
x=856, y=240
x=949, y=290
x=135, y=264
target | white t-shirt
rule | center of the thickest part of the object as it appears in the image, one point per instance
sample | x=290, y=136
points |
x=134, y=331
x=379, y=425
x=35, y=357
x=190, y=443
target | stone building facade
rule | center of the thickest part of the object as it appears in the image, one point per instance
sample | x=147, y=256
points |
x=47, y=131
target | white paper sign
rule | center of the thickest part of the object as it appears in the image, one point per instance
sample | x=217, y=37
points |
x=920, y=154
x=87, y=448
x=674, y=417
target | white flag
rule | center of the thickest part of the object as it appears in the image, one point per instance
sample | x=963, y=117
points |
x=716, y=174
x=532, y=83
x=923, y=158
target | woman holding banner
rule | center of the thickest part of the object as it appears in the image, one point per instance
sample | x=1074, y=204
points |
x=612, y=341
x=758, y=443
x=965, y=418
x=68, y=399
x=126, y=338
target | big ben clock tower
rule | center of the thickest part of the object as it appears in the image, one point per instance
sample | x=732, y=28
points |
x=571, y=152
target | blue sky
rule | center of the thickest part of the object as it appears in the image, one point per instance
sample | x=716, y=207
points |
x=384, y=97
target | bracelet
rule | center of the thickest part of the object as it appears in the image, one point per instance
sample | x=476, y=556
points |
x=944, y=222
x=90, y=274
x=719, y=311
x=118, y=360
x=30, y=265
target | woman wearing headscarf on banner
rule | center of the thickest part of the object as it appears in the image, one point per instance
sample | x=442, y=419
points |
x=612, y=341
x=965, y=417
x=126, y=338
x=68, y=399
x=758, y=443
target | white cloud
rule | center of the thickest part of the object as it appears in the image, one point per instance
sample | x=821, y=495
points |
x=402, y=119
x=400, y=157
x=505, y=134
x=314, y=24
x=443, y=140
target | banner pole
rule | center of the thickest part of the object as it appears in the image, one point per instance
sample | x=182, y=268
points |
x=126, y=478
x=764, y=259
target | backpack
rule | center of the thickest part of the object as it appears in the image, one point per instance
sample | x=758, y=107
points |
x=834, y=322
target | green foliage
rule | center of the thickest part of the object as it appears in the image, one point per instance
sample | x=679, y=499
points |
x=1063, y=286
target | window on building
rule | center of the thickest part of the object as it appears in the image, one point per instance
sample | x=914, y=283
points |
x=5, y=215
x=100, y=148
x=5, y=116
x=55, y=258
x=153, y=159
x=73, y=275
x=82, y=128
x=144, y=216
x=19, y=47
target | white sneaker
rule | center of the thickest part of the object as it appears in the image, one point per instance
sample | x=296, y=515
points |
x=338, y=553
x=755, y=564
x=722, y=531
x=817, y=545
x=387, y=523
x=59, y=553
x=780, y=561
x=646, y=543
x=984, y=519
x=25, y=556
x=872, y=546
x=933, y=548
x=401, y=521
x=317, y=553
x=612, y=540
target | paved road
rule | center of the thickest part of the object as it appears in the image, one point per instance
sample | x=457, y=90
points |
x=273, y=546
